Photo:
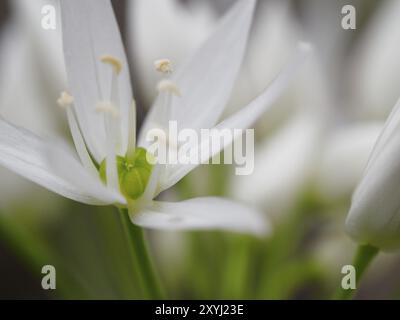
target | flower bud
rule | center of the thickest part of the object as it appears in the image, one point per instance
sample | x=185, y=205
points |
x=374, y=216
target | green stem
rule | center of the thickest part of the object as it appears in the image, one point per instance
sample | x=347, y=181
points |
x=237, y=267
x=141, y=258
x=362, y=259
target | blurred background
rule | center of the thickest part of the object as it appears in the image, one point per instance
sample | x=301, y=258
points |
x=311, y=150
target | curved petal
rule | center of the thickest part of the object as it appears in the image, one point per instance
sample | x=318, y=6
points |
x=242, y=119
x=391, y=126
x=373, y=217
x=207, y=78
x=90, y=31
x=50, y=166
x=374, y=214
x=202, y=213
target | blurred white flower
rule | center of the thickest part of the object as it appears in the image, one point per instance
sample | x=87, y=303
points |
x=375, y=64
x=32, y=65
x=311, y=150
x=27, y=85
x=106, y=140
x=283, y=165
x=343, y=159
x=374, y=214
x=332, y=248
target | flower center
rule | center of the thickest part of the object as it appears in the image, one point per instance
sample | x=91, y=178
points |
x=133, y=173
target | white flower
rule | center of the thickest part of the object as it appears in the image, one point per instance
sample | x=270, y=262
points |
x=101, y=115
x=27, y=85
x=377, y=57
x=374, y=216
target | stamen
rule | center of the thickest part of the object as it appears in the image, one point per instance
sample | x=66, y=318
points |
x=65, y=100
x=112, y=61
x=131, y=131
x=168, y=86
x=152, y=185
x=163, y=66
x=79, y=143
x=111, y=170
x=108, y=107
x=111, y=127
x=111, y=106
x=112, y=123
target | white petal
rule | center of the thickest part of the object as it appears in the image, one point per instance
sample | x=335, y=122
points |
x=391, y=126
x=206, y=79
x=242, y=119
x=79, y=142
x=29, y=156
x=72, y=171
x=202, y=213
x=90, y=31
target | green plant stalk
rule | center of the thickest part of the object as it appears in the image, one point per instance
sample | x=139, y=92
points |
x=284, y=248
x=140, y=258
x=109, y=223
x=362, y=259
x=237, y=268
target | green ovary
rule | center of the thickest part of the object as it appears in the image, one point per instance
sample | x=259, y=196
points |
x=133, y=174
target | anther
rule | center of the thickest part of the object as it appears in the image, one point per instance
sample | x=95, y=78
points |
x=305, y=46
x=168, y=86
x=113, y=62
x=163, y=66
x=65, y=100
x=107, y=107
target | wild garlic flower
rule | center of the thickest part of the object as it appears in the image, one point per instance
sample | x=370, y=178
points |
x=112, y=168
x=374, y=216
